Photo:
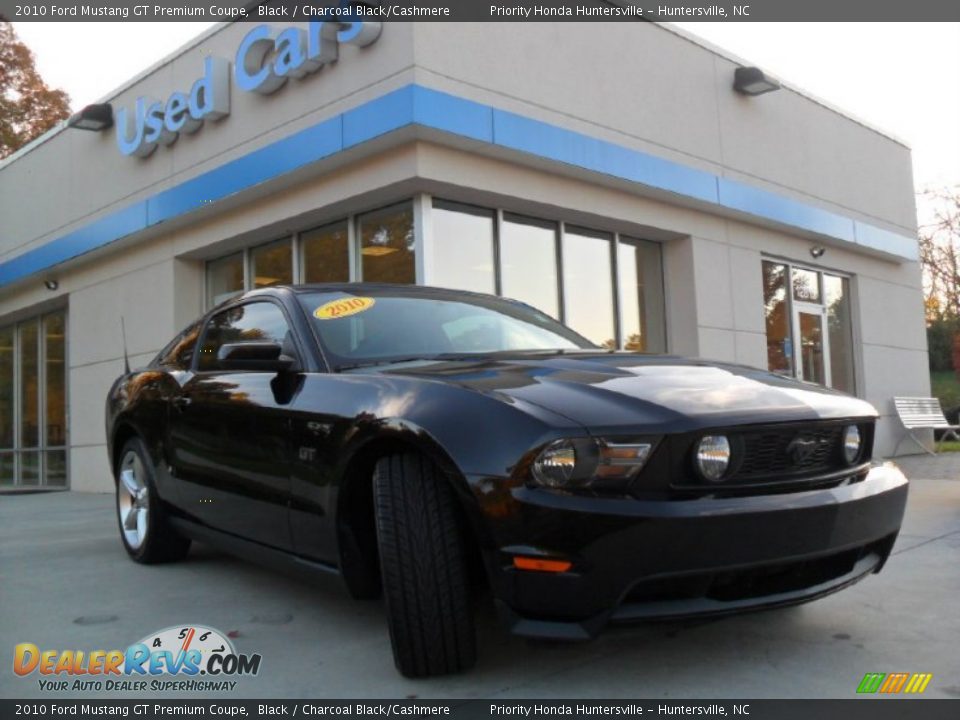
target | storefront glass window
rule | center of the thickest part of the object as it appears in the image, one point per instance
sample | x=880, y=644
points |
x=7, y=469
x=776, y=310
x=640, y=271
x=528, y=262
x=272, y=264
x=463, y=247
x=806, y=285
x=55, y=421
x=387, y=251
x=837, y=296
x=224, y=278
x=809, y=335
x=325, y=254
x=55, y=468
x=588, y=285
x=6, y=391
x=33, y=434
x=29, y=384
x=30, y=468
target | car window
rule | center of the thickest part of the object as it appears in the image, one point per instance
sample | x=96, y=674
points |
x=178, y=354
x=256, y=321
x=357, y=329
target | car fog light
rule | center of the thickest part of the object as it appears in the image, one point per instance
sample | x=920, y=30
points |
x=851, y=444
x=554, y=466
x=713, y=457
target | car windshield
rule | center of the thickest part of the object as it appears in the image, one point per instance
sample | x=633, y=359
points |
x=377, y=326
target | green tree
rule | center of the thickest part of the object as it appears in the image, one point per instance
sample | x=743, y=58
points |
x=940, y=254
x=28, y=106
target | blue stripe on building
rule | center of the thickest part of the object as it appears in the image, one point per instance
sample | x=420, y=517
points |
x=414, y=105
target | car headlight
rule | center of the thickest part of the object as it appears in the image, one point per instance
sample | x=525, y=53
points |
x=600, y=463
x=712, y=457
x=555, y=465
x=852, y=443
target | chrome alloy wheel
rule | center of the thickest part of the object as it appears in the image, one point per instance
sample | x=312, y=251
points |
x=133, y=500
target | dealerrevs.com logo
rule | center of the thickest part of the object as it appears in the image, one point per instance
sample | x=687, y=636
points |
x=180, y=658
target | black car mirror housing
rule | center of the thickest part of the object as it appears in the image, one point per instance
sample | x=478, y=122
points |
x=264, y=356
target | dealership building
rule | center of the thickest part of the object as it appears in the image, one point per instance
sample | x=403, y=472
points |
x=611, y=175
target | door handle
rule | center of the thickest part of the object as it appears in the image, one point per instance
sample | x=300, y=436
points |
x=181, y=403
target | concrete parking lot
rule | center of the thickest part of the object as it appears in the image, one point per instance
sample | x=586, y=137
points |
x=65, y=582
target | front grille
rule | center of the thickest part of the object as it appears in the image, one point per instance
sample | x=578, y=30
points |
x=768, y=453
x=770, y=458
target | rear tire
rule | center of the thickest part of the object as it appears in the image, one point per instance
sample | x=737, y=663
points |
x=146, y=535
x=423, y=566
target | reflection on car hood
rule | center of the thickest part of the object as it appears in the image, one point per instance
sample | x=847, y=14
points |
x=626, y=389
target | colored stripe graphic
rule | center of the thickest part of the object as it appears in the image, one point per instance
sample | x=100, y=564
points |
x=918, y=683
x=894, y=683
x=871, y=682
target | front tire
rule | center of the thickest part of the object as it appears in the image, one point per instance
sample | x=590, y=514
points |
x=146, y=535
x=423, y=566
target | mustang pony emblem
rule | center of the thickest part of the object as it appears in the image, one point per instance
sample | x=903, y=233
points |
x=802, y=448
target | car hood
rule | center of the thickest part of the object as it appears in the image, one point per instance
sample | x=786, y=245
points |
x=619, y=390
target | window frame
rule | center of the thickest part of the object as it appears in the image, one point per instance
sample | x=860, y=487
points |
x=250, y=268
x=559, y=226
x=220, y=309
x=43, y=447
x=495, y=217
x=423, y=203
x=791, y=302
x=168, y=348
x=356, y=241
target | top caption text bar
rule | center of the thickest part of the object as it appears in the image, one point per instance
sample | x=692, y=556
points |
x=479, y=11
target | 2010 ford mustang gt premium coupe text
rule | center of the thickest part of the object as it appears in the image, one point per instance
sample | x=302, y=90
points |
x=425, y=444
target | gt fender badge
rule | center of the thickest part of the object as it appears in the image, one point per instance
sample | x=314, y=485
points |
x=343, y=307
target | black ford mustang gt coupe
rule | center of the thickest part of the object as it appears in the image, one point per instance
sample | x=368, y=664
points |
x=422, y=442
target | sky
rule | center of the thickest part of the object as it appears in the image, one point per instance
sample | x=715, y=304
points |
x=899, y=77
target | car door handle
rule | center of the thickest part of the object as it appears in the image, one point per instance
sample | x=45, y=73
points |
x=181, y=403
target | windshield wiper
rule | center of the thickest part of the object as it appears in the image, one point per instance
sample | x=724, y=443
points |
x=454, y=357
x=439, y=357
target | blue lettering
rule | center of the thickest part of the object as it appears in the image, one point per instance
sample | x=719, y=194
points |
x=262, y=64
x=134, y=659
x=210, y=95
x=251, y=70
x=130, y=135
x=322, y=43
x=159, y=661
x=177, y=113
x=290, y=57
x=154, y=131
x=191, y=662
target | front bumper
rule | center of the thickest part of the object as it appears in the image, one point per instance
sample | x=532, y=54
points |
x=640, y=560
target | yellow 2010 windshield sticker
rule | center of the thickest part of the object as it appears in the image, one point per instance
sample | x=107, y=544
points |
x=343, y=307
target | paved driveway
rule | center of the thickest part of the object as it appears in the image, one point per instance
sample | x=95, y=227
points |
x=65, y=582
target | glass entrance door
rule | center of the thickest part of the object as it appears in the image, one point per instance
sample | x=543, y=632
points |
x=812, y=347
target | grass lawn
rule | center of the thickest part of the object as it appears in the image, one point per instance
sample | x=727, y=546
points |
x=946, y=387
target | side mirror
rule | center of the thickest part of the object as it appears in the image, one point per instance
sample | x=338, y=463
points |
x=263, y=356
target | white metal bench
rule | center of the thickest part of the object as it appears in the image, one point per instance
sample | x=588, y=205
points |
x=917, y=413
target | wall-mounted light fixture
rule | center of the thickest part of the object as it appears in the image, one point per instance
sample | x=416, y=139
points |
x=51, y=284
x=753, y=81
x=93, y=117
x=817, y=251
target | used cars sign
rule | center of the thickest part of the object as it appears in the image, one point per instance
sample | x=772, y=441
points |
x=263, y=62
